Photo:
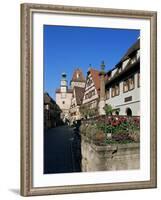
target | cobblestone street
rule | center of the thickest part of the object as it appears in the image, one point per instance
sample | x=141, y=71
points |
x=61, y=151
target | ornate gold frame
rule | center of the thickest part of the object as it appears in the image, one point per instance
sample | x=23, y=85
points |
x=27, y=11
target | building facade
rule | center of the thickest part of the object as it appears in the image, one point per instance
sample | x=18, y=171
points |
x=76, y=102
x=119, y=88
x=77, y=84
x=91, y=93
x=78, y=79
x=123, y=84
x=51, y=112
x=65, y=96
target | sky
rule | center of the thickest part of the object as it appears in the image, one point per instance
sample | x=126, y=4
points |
x=67, y=48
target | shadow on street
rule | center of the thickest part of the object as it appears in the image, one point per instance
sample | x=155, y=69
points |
x=62, y=150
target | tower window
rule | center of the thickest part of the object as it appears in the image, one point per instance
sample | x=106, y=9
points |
x=78, y=75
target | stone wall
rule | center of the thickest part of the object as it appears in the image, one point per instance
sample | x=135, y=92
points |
x=109, y=157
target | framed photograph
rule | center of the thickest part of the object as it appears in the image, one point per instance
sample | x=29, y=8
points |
x=88, y=99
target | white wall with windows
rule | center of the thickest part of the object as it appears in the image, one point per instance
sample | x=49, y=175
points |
x=126, y=96
x=64, y=102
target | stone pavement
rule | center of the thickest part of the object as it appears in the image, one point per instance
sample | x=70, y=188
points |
x=61, y=151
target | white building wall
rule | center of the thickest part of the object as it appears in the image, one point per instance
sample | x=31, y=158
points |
x=67, y=100
x=119, y=101
x=77, y=84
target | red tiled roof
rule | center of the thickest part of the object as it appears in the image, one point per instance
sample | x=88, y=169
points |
x=96, y=78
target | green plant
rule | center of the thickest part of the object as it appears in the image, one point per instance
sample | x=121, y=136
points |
x=83, y=129
x=91, y=131
x=92, y=112
x=84, y=111
x=108, y=109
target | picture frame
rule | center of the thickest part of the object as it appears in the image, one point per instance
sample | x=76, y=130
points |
x=28, y=92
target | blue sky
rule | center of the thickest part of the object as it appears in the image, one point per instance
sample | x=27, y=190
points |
x=67, y=47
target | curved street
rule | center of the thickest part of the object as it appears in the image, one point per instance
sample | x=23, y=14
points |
x=61, y=150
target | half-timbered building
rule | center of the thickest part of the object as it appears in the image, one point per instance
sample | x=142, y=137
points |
x=123, y=84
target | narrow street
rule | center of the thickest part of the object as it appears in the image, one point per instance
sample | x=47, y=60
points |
x=61, y=151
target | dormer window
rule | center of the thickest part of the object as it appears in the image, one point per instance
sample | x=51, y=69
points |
x=133, y=59
x=120, y=69
x=109, y=75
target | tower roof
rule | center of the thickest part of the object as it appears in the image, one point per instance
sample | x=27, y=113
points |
x=64, y=75
x=78, y=76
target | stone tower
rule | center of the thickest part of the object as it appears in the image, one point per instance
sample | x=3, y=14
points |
x=63, y=97
x=64, y=84
x=78, y=79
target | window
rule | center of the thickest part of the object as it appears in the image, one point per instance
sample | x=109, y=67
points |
x=125, y=86
x=63, y=102
x=90, y=94
x=89, y=82
x=86, y=96
x=108, y=93
x=129, y=84
x=115, y=90
x=133, y=60
x=47, y=106
x=93, y=92
x=120, y=69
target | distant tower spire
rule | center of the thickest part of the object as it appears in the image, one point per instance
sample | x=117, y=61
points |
x=103, y=66
x=64, y=76
x=102, y=89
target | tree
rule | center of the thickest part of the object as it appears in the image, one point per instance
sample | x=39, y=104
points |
x=108, y=109
x=84, y=111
